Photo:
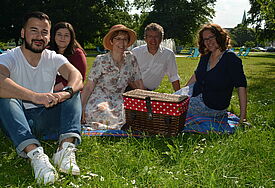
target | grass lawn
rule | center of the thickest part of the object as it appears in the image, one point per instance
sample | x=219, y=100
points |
x=245, y=159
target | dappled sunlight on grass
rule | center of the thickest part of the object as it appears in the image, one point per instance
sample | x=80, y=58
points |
x=244, y=159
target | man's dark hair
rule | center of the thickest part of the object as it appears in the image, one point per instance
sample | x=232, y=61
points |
x=36, y=14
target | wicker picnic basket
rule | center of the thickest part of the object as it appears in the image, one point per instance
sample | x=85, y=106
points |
x=155, y=113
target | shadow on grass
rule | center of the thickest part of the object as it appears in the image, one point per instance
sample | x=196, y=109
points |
x=16, y=171
x=262, y=55
x=269, y=67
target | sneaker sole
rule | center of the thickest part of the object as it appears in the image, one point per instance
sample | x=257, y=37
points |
x=69, y=172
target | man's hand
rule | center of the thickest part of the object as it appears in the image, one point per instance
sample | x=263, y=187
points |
x=62, y=96
x=46, y=99
x=50, y=99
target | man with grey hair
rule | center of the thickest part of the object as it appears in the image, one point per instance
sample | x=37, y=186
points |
x=155, y=61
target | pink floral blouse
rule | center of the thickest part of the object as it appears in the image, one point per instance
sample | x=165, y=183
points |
x=105, y=105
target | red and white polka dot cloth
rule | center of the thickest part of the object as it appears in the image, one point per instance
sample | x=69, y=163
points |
x=158, y=107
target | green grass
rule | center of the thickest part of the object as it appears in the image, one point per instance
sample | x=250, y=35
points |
x=245, y=159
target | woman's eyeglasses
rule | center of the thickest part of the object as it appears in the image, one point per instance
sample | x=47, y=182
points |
x=126, y=40
x=209, y=38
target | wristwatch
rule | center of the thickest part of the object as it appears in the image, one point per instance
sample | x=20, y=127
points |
x=69, y=89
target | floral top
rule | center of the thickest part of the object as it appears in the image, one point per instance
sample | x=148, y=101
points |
x=105, y=105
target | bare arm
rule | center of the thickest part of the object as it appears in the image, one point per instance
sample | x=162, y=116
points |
x=74, y=78
x=10, y=89
x=137, y=84
x=176, y=85
x=191, y=80
x=85, y=94
x=243, y=103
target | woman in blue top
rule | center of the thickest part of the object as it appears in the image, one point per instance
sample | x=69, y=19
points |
x=218, y=72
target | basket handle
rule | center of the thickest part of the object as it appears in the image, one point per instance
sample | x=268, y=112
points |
x=149, y=108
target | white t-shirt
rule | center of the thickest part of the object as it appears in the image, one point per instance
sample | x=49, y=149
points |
x=154, y=67
x=41, y=78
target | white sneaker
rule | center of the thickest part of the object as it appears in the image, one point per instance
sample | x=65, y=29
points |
x=43, y=169
x=65, y=159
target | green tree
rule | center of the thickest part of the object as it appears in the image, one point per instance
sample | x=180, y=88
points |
x=11, y=12
x=249, y=44
x=262, y=13
x=242, y=34
x=180, y=18
x=90, y=18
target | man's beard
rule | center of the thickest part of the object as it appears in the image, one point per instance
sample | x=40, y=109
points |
x=32, y=49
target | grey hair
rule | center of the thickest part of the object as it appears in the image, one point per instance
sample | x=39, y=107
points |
x=154, y=27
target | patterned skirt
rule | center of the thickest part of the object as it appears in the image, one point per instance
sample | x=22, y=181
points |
x=202, y=119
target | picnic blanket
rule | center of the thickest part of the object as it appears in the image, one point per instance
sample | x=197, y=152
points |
x=194, y=124
x=86, y=131
x=117, y=133
x=203, y=124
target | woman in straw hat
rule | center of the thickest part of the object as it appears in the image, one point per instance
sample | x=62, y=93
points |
x=102, y=102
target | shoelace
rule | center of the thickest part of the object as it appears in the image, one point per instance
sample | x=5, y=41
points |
x=70, y=155
x=43, y=165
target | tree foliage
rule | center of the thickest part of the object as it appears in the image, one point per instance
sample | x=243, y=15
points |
x=249, y=44
x=262, y=12
x=180, y=18
x=242, y=34
x=91, y=18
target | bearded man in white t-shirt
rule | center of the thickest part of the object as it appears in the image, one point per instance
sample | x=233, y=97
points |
x=156, y=61
x=30, y=110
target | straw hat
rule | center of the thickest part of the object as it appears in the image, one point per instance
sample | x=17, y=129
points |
x=119, y=27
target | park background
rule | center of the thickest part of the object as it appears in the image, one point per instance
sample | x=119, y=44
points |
x=180, y=19
x=244, y=159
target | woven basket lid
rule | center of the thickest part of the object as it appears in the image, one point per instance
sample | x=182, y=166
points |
x=155, y=96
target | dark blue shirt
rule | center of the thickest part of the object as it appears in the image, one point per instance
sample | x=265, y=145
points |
x=216, y=85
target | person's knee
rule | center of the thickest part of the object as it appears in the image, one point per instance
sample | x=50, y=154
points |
x=72, y=106
x=10, y=108
x=7, y=103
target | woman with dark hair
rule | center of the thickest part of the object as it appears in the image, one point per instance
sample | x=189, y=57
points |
x=218, y=72
x=64, y=42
